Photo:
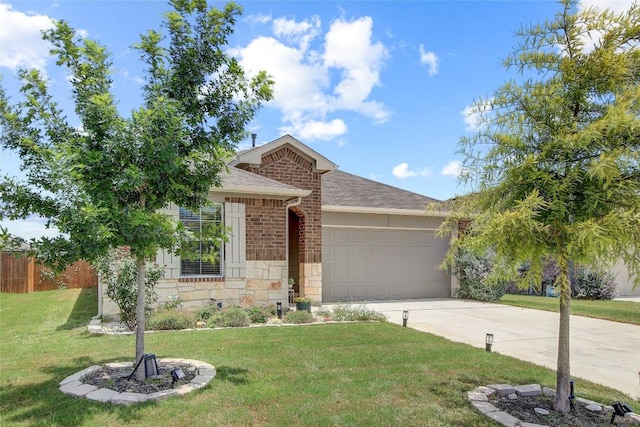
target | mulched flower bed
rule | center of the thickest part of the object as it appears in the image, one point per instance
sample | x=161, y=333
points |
x=116, y=379
x=523, y=409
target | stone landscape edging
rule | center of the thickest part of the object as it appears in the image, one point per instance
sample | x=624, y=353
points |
x=73, y=385
x=479, y=398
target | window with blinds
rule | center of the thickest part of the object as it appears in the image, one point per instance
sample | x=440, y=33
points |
x=206, y=253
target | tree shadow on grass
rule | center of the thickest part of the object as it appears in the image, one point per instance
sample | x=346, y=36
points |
x=85, y=307
x=235, y=376
x=43, y=404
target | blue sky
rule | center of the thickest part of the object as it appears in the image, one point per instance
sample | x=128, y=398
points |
x=381, y=88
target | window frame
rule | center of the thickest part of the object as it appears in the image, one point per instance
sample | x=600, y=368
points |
x=215, y=206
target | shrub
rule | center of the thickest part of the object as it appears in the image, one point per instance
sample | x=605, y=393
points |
x=297, y=317
x=118, y=270
x=349, y=313
x=260, y=314
x=170, y=319
x=473, y=271
x=229, y=317
x=323, y=312
x=205, y=313
x=596, y=284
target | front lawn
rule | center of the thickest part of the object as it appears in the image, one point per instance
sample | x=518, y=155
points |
x=356, y=374
x=618, y=311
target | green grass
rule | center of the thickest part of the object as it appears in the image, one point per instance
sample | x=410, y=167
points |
x=617, y=311
x=356, y=374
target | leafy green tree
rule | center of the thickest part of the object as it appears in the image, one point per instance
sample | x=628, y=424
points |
x=102, y=183
x=555, y=164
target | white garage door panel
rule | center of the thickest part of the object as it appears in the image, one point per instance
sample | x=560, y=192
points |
x=368, y=264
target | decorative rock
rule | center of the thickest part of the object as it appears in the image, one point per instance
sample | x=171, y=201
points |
x=549, y=392
x=502, y=389
x=477, y=396
x=129, y=398
x=73, y=385
x=529, y=390
x=587, y=401
x=161, y=395
x=540, y=411
x=118, y=365
x=594, y=408
x=77, y=390
x=504, y=418
x=484, y=407
x=485, y=390
x=78, y=375
x=102, y=395
x=635, y=418
x=513, y=396
x=532, y=425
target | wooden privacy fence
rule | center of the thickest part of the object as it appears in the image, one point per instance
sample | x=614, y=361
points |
x=22, y=274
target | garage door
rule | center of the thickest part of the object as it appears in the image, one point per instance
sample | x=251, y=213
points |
x=375, y=264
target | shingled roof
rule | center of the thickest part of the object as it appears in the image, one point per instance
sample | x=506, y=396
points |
x=342, y=189
x=241, y=181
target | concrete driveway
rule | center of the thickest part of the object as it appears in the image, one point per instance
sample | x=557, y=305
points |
x=601, y=351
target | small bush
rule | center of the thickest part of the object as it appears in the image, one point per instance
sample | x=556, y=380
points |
x=348, y=313
x=230, y=317
x=473, y=271
x=170, y=319
x=323, y=312
x=589, y=284
x=260, y=314
x=298, y=317
x=205, y=313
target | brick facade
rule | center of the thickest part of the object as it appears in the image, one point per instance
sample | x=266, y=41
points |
x=265, y=227
x=287, y=166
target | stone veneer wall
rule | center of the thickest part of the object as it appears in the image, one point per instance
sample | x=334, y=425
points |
x=311, y=280
x=265, y=284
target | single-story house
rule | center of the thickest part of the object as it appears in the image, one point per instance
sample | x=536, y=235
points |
x=294, y=216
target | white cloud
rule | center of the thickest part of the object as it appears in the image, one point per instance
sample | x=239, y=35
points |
x=475, y=116
x=21, y=39
x=258, y=18
x=453, y=168
x=127, y=75
x=301, y=33
x=316, y=130
x=430, y=59
x=402, y=171
x=311, y=99
x=617, y=6
x=592, y=38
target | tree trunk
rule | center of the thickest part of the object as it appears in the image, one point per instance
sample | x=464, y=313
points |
x=140, y=320
x=140, y=306
x=563, y=372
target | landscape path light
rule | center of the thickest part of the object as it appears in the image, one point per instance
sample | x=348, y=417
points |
x=405, y=317
x=488, y=342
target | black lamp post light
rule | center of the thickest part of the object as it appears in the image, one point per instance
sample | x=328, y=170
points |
x=405, y=317
x=488, y=342
x=279, y=309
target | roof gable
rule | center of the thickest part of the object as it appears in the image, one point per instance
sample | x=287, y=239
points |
x=254, y=156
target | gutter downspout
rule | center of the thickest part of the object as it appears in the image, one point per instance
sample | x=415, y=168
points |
x=296, y=202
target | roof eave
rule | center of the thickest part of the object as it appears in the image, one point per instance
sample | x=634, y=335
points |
x=383, y=211
x=250, y=191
